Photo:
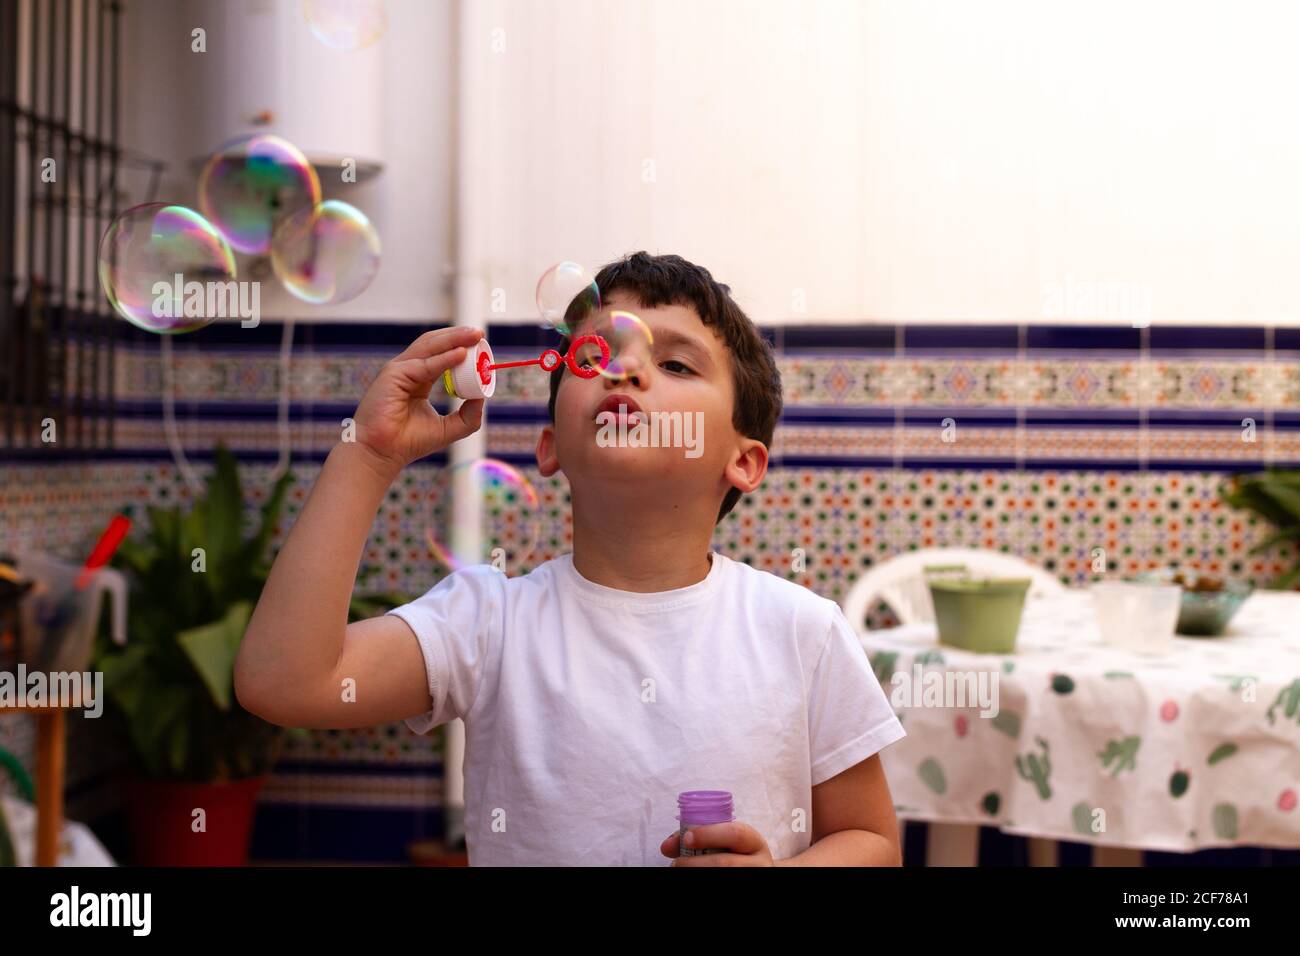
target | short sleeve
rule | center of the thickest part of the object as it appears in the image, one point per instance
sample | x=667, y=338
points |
x=849, y=716
x=455, y=622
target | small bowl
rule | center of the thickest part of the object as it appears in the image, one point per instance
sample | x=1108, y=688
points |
x=1208, y=605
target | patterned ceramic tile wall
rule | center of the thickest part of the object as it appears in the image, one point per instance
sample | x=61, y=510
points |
x=1047, y=443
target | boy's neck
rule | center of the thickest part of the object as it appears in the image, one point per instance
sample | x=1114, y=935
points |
x=644, y=554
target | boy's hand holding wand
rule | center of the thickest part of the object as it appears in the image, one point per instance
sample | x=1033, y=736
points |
x=300, y=657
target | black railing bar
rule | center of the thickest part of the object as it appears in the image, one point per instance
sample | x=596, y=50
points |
x=114, y=68
x=8, y=209
x=87, y=257
x=31, y=295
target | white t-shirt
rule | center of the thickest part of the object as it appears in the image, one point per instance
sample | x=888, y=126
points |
x=588, y=709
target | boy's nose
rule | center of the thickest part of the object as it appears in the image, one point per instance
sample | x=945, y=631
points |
x=638, y=378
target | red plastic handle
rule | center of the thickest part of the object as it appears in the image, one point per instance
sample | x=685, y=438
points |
x=551, y=359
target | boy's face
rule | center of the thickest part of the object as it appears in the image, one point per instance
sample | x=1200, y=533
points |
x=688, y=371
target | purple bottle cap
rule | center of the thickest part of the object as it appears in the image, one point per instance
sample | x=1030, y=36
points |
x=698, y=808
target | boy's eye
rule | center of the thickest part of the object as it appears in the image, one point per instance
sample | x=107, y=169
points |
x=680, y=366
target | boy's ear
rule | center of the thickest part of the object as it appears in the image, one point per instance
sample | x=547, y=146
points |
x=747, y=466
x=547, y=463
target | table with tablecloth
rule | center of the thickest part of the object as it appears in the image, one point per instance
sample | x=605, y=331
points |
x=1194, y=749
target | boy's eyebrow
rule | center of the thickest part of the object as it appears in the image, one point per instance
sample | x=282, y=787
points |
x=672, y=337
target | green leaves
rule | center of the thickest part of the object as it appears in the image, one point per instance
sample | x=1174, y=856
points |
x=1275, y=496
x=8, y=857
x=212, y=649
x=255, y=549
x=172, y=687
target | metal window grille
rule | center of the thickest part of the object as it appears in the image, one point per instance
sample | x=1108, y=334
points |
x=60, y=164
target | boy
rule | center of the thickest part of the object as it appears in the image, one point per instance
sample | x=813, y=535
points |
x=602, y=684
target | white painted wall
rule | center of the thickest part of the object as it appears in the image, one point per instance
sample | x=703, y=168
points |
x=174, y=110
x=849, y=160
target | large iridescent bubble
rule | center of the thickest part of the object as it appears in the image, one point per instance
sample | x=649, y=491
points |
x=509, y=521
x=251, y=185
x=158, y=262
x=563, y=285
x=326, y=254
x=630, y=343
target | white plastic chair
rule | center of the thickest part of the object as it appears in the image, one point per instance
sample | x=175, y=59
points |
x=900, y=582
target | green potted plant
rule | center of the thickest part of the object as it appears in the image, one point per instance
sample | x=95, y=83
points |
x=198, y=758
x=1275, y=496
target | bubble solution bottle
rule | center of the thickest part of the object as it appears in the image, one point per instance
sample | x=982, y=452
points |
x=699, y=808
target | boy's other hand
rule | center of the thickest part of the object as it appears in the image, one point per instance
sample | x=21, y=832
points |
x=395, y=422
x=743, y=846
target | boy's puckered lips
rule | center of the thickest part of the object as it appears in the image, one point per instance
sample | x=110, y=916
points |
x=612, y=402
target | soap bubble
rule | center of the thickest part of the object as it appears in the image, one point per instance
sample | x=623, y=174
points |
x=510, y=519
x=557, y=289
x=346, y=24
x=150, y=245
x=631, y=345
x=251, y=184
x=326, y=253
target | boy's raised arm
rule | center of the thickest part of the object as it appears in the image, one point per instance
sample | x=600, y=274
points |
x=299, y=646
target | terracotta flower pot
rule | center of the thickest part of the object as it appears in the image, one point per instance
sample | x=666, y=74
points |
x=162, y=821
x=436, y=853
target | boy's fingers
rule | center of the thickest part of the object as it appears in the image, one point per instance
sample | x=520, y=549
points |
x=669, y=846
x=439, y=340
x=426, y=370
x=465, y=421
x=736, y=837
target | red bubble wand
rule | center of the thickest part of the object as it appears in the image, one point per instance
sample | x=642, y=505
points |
x=474, y=377
x=550, y=360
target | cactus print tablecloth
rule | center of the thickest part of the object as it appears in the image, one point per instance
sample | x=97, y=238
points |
x=1199, y=748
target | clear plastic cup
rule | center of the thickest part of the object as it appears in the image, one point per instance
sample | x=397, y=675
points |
x=1137, y=616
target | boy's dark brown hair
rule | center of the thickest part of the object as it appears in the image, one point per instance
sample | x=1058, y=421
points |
x=670, y=280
